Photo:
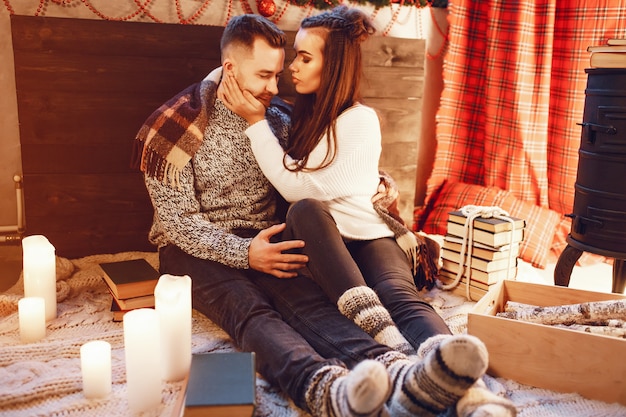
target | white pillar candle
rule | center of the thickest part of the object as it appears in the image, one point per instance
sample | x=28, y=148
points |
x=95, y=365
x=32, y=318
x=172, y=300
x=40, y=277
x=143, y=359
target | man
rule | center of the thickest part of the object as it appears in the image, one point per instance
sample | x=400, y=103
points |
x=217, y=219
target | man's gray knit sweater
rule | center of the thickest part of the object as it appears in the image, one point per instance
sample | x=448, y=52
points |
x=223, y=198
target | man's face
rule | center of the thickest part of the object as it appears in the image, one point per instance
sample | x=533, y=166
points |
x=258, y=71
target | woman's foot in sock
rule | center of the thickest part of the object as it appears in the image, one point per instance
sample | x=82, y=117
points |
x=436, y=382
x=362, y=305
x=361, y=392
x=478, y=401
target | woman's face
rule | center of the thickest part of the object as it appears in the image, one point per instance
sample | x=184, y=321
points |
x=306, y=68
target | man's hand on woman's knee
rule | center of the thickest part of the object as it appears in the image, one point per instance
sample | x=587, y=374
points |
x=271, y=258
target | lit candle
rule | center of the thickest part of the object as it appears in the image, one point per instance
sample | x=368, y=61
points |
x=32, y=318
x=172, y=300
x=95, y=364
x=40, y=277
x=143, y=359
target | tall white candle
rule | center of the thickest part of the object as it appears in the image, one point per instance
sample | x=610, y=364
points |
x=40, y=277
x=172, y=300
x=95, y=365
x=32, y=318
x=143, y=359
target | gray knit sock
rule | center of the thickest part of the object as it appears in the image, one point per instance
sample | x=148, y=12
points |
x=334, y=391
x=478, y=401
x=431, y=385
x=430, y=344
x=362, y=305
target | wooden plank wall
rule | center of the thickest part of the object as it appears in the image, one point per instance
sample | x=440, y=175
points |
x=393, y=85
x=85, y=86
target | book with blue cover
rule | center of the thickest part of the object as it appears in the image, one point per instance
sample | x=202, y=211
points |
x=221, y=385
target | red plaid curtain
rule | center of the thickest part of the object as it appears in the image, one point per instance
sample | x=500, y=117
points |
x=514, y=90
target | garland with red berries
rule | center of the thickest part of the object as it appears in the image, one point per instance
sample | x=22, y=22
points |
x=266, y=8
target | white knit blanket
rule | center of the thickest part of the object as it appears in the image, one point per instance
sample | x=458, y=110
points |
x=44, y=378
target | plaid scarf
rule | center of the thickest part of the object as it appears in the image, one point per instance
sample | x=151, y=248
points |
x=421, y=251
x=171, y=135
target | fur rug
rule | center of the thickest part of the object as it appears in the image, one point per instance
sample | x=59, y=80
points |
x=44, y=378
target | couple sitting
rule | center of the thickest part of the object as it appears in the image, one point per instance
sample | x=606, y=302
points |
x=323, y=292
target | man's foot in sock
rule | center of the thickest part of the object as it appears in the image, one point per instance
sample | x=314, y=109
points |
x=429, y=344
x=361, y=392
x=479, y=401
x=431, y=385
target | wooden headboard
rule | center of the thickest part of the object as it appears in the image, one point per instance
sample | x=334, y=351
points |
x=84, y=87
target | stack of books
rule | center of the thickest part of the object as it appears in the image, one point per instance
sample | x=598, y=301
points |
x=494, y=250
x=610, y=55
x=131, y=284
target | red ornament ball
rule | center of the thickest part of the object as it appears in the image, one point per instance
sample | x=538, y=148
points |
x=266, y=8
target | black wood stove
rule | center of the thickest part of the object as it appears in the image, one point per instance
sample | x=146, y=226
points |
x=599, y=214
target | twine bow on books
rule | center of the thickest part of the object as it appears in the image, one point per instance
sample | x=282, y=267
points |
x=472, y=212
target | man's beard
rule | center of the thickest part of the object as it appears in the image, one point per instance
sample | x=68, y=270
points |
x=265, y=99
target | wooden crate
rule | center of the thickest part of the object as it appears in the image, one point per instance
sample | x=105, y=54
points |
x=547, y=357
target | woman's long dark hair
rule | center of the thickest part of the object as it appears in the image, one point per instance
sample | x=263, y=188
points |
x=315, y=115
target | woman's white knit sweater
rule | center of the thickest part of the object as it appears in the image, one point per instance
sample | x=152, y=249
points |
x=347, y=185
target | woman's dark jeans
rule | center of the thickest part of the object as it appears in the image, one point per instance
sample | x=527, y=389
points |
x=381, y=264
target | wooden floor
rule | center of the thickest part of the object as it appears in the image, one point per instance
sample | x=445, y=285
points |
x=10, y=265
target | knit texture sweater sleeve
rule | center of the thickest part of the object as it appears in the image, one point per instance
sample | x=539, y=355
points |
x=354, y=171
x=178, y=220
x=346, y=185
